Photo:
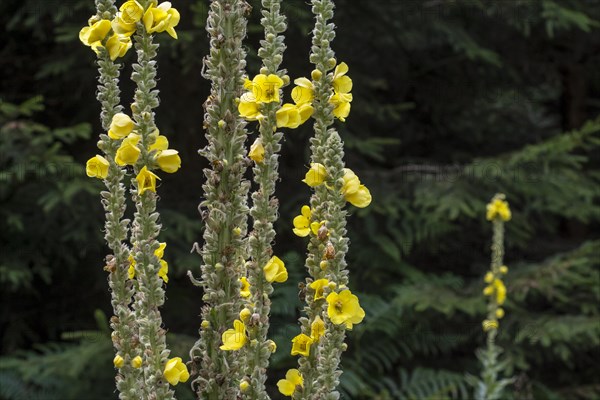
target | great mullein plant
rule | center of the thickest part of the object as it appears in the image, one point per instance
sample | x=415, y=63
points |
x=331, y=308
x=490, y=386
x=263, y=98
x=225, y=209
x=134, y=145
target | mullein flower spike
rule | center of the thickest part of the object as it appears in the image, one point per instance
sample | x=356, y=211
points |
x=129, y=142
x=490, y=386
x=332, y=308
x=108, y=47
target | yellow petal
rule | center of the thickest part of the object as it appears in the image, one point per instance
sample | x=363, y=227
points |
x=97, y=167
x=169, y=161
x=361, y=198
x=316, y=175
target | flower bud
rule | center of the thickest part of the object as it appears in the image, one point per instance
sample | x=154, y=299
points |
x=221, y=124
x=205, y=324
x=237, y=231
x=331, y=63
x=219, y=267
x=503, y=269
x=136, y=362
x=264, y=70
x=118, y=361
x=316, y=75
x=323, y=264
x=499, y=313
x=286, y=80
x=244, y=386
x=245, y=315
x=272, y=346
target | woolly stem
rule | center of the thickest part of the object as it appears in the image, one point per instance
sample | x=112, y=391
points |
x=225, y=205
x=321, y=369
x=150, y=295
x=123, y=323
x=265, y=207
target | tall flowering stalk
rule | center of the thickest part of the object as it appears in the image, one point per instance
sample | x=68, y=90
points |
x=136, y=142
x=490, y=387
x=224, y=208
x=123, y=323
x=265, y=154
x=331, y=308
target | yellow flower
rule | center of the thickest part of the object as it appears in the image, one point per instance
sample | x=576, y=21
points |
x=500, y=290
x=304, y=91
x=488, y=278
x=125, y=22
x=136, y=362
x=318, y=287
x=120, y=126
x=146, y=181
x=293, y=379
x=93, y=34
x=128, y=153
x=344, y=308
x=160, y=252
x=302, y=222
x=498, y=208
x=499, y=313
x=341, y=83
x=249, y=108
x=162, y=18
x=257, y=151
x=117, y=46
x=176, y=371
x=245, y=288
x=163, y=271
x=301, y=345
x=118, y=361
x=168, y=160
x=131, y=270
x=245, y=315
x=341, y=105
x=317, y=329
x=488, y=291
x=97, y=167
x=234, y=339
x=275, y=270
x=244, y=386
x=354, y=192
x=288, y=116
x=160, y=143
x=316, y=175
x=265, y=88
x=489, y=324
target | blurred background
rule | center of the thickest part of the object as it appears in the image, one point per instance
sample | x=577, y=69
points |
x=453, y=102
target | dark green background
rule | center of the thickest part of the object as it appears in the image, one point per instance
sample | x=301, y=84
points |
x=453, y=102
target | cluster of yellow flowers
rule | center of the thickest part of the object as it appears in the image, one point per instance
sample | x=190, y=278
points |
x=164, y=266
x=343, y=308
x=235, y=338
x=498, y=208
x=497, y=289
x=264, y=89
x=115, y=35
x=123, y=128
x=175, y=370
x=353, y=190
